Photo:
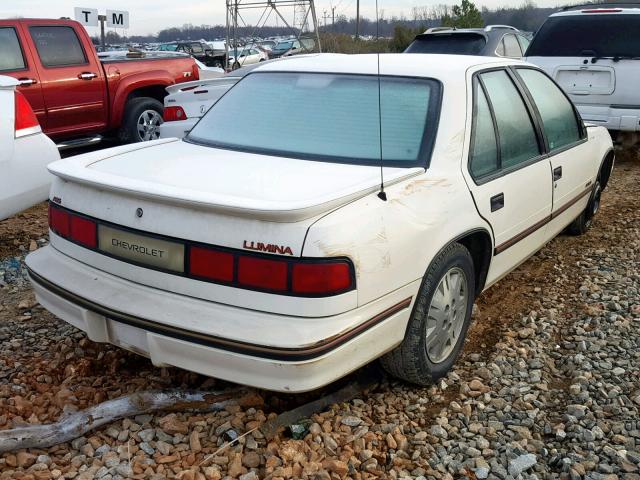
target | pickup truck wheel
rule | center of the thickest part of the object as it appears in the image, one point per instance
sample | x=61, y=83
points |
x=439, y=321
x=584, y=221
x=142, y=120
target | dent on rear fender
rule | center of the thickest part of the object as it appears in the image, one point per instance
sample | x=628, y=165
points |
x=371, y=255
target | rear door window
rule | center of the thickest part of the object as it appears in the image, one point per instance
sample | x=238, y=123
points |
x=448, y=43
x=484, y=153
x=58, y=46
x=559, y=120
x=518, y=141
x=588, y=34
x=11, y=57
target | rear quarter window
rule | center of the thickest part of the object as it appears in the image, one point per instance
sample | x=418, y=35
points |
x=58, y=46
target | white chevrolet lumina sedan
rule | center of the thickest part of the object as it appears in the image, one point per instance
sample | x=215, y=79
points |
x=370, y=205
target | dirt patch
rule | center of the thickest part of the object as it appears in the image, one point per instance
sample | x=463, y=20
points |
x=17, y=232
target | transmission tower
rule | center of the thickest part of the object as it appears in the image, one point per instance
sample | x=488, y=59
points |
x=304, y=26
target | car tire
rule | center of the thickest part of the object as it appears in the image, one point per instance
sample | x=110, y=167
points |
x=583, y=223
x=137, y=110
x=416, y=359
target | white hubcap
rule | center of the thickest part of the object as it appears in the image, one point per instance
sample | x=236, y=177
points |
x=446, y=315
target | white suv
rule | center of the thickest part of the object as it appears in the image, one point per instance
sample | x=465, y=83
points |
x=593, y=52
x=275, y=260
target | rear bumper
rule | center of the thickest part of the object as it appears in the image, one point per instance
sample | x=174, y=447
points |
x=613, y=117
x=177, y=129
x=114, y=310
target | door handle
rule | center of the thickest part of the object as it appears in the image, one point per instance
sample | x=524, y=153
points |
x=497, y=202
x=25, y=82
x=557, y=174
x=87, y=75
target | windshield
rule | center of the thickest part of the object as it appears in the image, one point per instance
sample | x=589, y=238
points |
x=327, y=117
x=451, y=43
x=168, y=48
x=284, y=46
x=589, y=34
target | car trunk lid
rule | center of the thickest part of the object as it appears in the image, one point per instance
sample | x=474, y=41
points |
x=233, y=183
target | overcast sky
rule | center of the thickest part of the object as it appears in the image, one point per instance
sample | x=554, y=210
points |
x=150, y=16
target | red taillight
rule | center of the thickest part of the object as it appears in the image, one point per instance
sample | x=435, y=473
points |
x=313, y=277
x=321, y=278
x=211, y=264
x=59, y=221
x=73, y=227
x=25, y=120
x=173, y=114
x=83, y=231
x=263, y=273
x=310, y=277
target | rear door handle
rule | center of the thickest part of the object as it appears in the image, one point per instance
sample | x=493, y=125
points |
x=87, y=75
x=557, y=174
x=497, y=202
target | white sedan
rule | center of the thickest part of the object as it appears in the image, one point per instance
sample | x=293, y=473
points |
x=246, y=56
x=24, y=152
x=370, y=205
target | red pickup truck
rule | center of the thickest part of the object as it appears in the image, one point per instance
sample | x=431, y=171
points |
x=78, y=96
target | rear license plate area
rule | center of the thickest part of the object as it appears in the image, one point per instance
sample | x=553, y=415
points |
x=140, y=249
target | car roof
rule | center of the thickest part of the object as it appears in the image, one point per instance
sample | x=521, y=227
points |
x=599, y=9
x=426, y=65
x=485, y=30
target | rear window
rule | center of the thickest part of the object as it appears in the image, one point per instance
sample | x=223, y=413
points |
x=326, y=117
x=588, y=35
x=10, y=52
x=58, y=46
x=451, y=43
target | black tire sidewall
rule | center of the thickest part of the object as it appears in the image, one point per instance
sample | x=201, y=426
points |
x=133, y=110
x=454, y=255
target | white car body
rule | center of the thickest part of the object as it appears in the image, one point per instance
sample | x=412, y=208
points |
x=206, y=73
x=605, y=91
x=24, y=155
x=293, y=210
x=195, y=98
x=246, y=56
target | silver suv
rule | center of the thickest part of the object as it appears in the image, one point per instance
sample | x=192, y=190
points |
x=593, y=52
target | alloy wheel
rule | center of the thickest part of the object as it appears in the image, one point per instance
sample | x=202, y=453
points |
x=148, y=125
x=446, y=315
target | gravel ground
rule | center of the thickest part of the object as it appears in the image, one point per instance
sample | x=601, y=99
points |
x=546, y=387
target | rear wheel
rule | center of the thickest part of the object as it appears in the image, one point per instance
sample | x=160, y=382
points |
x=439, y=321
x=142, y=120
x=584, y=221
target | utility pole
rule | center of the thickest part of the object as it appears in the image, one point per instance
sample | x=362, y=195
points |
x=357, y=19
x=102, y=19
x=333, y=18
x=324, y=15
